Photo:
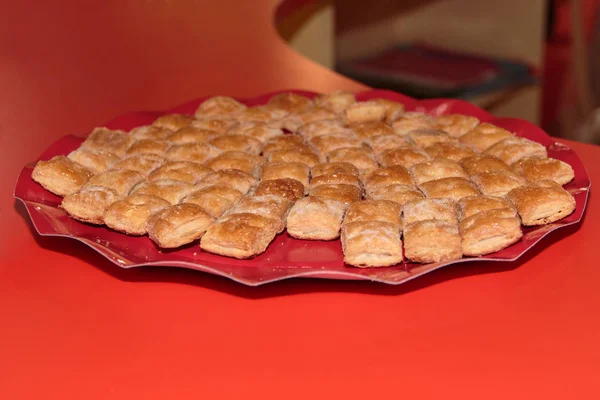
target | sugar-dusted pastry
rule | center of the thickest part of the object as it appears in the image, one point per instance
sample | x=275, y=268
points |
x=395, y=175
x=178, y=225
x=261, y=131
x=436, y=169
x=374, y=210
x=129, y=215
x=335, y=101
x=484, y=135
x=483, y=163
x=282, y=169
x=168, y=189
x=432, y=241
x=424, y=209
x=316, y=218
x=329, y=168
x=400, y=194
x=411, y=121
x=218, y=106
x=260, y=114
x=112, y=141
x=542, y=202
x=150, y=132
x=456, y=124
x=185, y=171
x=267, y=205
x=326, y=143
x=285, y=188
x=365, y=130
x=282, y=143
x=290, y=102
x=148, y=146
x=248, y=163
x=371, y=244
x=240, y=235
x=95, y=161
x=468, y=206
x=450, y=150
x=89, y=204
x=302, y=155
x=363, y=111
x=173, y=121
x=393, y=109
x=381, y=143
x=234, y=178
x=217, y=124
x=334, y=178
x=215, y=199
x=346, y=194
x=142, y=163
x=424, y=138
x=497, y=183
x=237, y=143
x=489, y=231
x=121, y=181
x=448, y=188
x=515, y=148
x=406, y=157
x=191, y=134
x=324, y=127
x=539, y=168
x=294, y=122
x=195, y=152
x=361, y=157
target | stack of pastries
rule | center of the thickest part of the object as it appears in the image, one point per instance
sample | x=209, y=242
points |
x=394, y=185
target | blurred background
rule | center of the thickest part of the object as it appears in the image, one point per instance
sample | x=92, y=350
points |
x=538, y=59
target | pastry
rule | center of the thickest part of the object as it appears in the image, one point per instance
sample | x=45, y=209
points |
x=260, y=114
x=191, y=134
x=539, y=168
x=396, y=175
x=95, y=161
x=489, y=231
x=324, y=127
x=497, y=183
x=142, y=163
x=178, y=225
x=365, y=130
x=60, y=175
x=406, y=157
x=428, y=137
x=374, y=210
x=111, y=141
x=150, y=132
x=239, y=180
x=346, y=194
x=248, y=163
x=326, y=143
x=484, y=135
x=393, y=109
x=333, y=168
x=315, y=218
x=129, y=215
x=218, y=124
x=483, y=163
x=337, y=102
x=361, y=157
x=281, y=169
x=302, y=155
x=121, y=181
x=261, y=131
x=400, y=194
x=215, y=199
x=185, y=171
x=267, y=205
x=371, y=244
x=89, y=204
x=445, y=210
x=381, y=143
x=173, y=121
x=218, y=106
x=240, y=235
x=448, y=188
x=285, y=188
x=432, y=241
x=168, y=189
x=290, y=102
x=515, y=148
x=542, y=202
x=148, y=146
x=436, y=169
x=284, y=142
x=468, y=206
x=334, y=178
x=195, y=152
x=364, y=111
x=411, y=121
x=294, y=122
x=456, y=124
x=450, y=150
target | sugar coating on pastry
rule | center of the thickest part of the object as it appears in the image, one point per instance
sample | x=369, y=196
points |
x=323, y=127
x=448, y=188
x=150, y=132
x=239, y=180
x=395, y=175
x=243, y=143
x=484, y=135
x=286, y=188
x=261, y=131
x=361, y=157
x=450, y=150
x=219, y=124
x=194, y=152
x=295, y=122
x=218, y=106
x=428, y=137
x=282, y=143
x=468, y=206
x=346, y=194
x=393, y=109
x=542, y=202
x=456, y=124
x=173, y=121
x=142, y=163
x=381, y=143
x=148, y=146
x=515, y=148
x=432, y=241
x=111, y=141
x=411, y=121
x=326, y=143
x=185, y=171
x=334, y=178
x=178, y=225
x=282, y=169
x=121, y=181
x=329, y=168
x=95, y=161
x=364, y=111
x=130, y=214
x=406, y=157
x=171, y=190
x=497, y=183
x=371, y=244
x=260, y=114
x=374, y=210
x=248, y=163
x=267, y=205
x=489, y=231
x=190, y=134
x=400, y=194
x=483, y=163
x=302, y=155
x=315, y=218
x=290, y=102
x=425, y=209
x=89, y=204
x=365, y=130
x=215, y=199
x=436, y=169
x=240, y=235
x=335, y=101
x=539, y=168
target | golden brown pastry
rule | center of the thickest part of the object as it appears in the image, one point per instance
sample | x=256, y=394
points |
x=248, y=163
x=240, y=235
x=450, y=150
x=371, y=244
x=290, y=102
x=396, y=175
x=381, y=143
x=539, y=168
x=497, y=183
x=484, y=135
x=215, y=199
x=436, y=169
x=194, y=152
x=432, y=241
x=294, y=122
x=456, y=124
x=121, y=181
x=281, y=170
x=150, y=132
x=95, y=161
x=239, y=180
x=448, y=188
x=190, y=134
x=541, y=202
x=261, y=131
x=111, y=141
x=129, y=215
x=489, y=231
x=326, y=143
x=302, y=155
x=428, y=137
x=337, y=102
x=89, y=204
x=364, y=111
x=173, y=121
x=217, y=124
x=267, y=205
x=333, y=168
x=361, y=157
x=411, y=121
x=285, y=188
x=483, y=163
x=142, y=163
x=515, y=148
x=424, y=209
x=148, y=146
x=406, y=157
x=365, y=130
x=168, y=189
x=260, y=114
x=374, y=210
x=185, y=171
x=324, y=127
x=393, y=109
x=178, y=225
x=400, y=194
x=237, y=143
x=346, y=194
x=316, y=218
x=282, y=143
x=218, y=106
x=334, y=178
x=468, y=206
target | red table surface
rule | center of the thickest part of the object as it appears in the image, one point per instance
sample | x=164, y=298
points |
x=73, y=326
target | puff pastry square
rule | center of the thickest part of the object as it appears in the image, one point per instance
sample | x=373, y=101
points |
x=406, y=157
x=267, y=205
x=539, y=168
x=285, y=188
x=497, y=183
x=218, y=124
x=191, y=134
x=150, y=132
x=515, y=148
x=346, y=194
x=233, y=178
x=432, y=241
x=302, y=155
x=260, y=114
x=142, y=163
x=421, y=210
x=361, y=157
x=411, y=121
x=89, y=204
x=173, y=121
x=484, y=135
x=541, y=202
x=324, y=127
x=326, y=143
x=334, y=179
x=381, y=143
x=95, y=161
x=400, y=194
x=61, y=175
x=281, y=169
x=121, y=181
x=178, y=225
x=436, y=169
x=316, y=218
x=489, y=231
x=337, y=102
x=284, y=142
x=170, y=190
x=374, y=210
x=448, y=188
x=371, y=244
x=329, y=168
x=258, y=130
x=364, y=111
x=423, y=138
x=450, y=151
x=242, y=143
x=393, y=109
x=111, y=141
x=218, y=106
x=472, y=205
x=148, y=146
x=290, y=102
x=365, y=130
x=215, y=199
x=185, y=171
x=130, y=214
x=396, y=175
x=456, y=124
x=483, y=163
x=194, y=152
x=294, y=122
x=248, y=163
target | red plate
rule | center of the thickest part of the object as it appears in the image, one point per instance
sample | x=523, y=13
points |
x=285, y=257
